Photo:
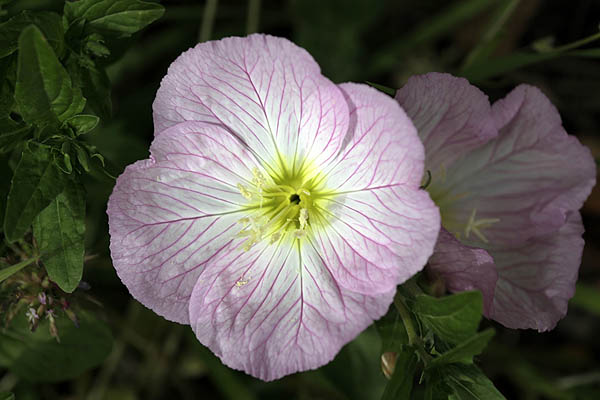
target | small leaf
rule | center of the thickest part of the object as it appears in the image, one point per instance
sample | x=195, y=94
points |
x=453, y=318
x=117, y=18
x=43, y=92
x=465, y=351
x=400, y=386
x=36, y=356
x=13, y=269
x=385, y=89
x=82, y=157
x=50, y=24
x=59, y=231
x=83, y=123
x=36, y=182
x=469, y=383
x=11, y=133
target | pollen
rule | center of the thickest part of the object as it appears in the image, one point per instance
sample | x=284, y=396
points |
x=281, y=206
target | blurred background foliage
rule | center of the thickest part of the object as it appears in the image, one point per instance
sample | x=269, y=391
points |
x=497, y=44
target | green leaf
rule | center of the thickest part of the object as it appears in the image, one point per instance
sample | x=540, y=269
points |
x=13, y=269
x=587, y=297
x=387, y=90
x=7, y=396
x=117, y=18
x=83, y=123
x=49, y=22
x=4, y=188
x=469, y=383
x=96, y=86
x=36, y=182
x=391, y=331
x=465, y=351
x=37, y=356
x=11, y=133
x=59, y=231
x=453, y=318
x=43, y=93
x=400, y=386
x=8, y=76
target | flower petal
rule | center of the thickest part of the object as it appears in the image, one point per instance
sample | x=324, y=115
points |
x=276, y=309
x=376, y=239
x=265, y=90
x=537, y=279
x=529, y=178
x=452, y=117
x=381, y=147
x=464, y=268
x=168, y=216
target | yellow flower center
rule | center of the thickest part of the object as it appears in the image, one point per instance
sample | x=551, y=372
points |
x=284, y=206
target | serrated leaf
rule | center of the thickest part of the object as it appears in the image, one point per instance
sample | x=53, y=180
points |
x=117, y=18
x=469, y=383
x=36, y=356
x=400, y=386
x=453, y=318
x=59, y=231
x=50, y=24
x=36, y=182
x=83, y=123
x=11, y=133
x=465, y=351
x=44, y=93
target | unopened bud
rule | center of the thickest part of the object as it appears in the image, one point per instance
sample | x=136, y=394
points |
x=388, y=363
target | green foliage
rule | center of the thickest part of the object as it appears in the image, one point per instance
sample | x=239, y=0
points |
x=11, y=133
x=453, y=318
x=59, y=231
x=39, y=68
x=39, y=357
x=7, y=272
x=114, y=17
x=36, y=182
x=49, y=23
x=7, y=396
x=400, y=385
x=438, y=344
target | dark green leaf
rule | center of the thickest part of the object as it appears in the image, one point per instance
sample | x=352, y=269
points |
x=83, y=123
x=43, y=93
x=4, y=188
x=59, y=231
x=82, y=157
x=13, y=269
x=97, y=89
x=469, y=383
x=114, y=17
x=387, y=90
x=39, y=357
x=7, y=396
x=49, y=22
x=8, y=76
x=400, y=386
x=465, y=351
x=11, y=133
x=392, y=332
x=36, y=182
x=453, y=318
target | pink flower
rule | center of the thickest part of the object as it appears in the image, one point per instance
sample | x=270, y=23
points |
x=509, y=182
x=277, y=212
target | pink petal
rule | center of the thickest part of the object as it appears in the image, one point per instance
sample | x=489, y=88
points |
x=170, y=215
x=452, y=117
x=381, y=148
x=277, y=309
x=537, y=278
x=529, y=178
x=376, y=239
x=464, y=268
x=265, y=90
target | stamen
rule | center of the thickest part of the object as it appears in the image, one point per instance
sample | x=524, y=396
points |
x=244, y=191
x=303, y=218
x=473, y=225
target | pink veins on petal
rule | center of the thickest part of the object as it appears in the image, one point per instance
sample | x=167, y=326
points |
x=277, y=212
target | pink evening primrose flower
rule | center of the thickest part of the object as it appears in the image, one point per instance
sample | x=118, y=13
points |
x=509, y=182
x=277, y=212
